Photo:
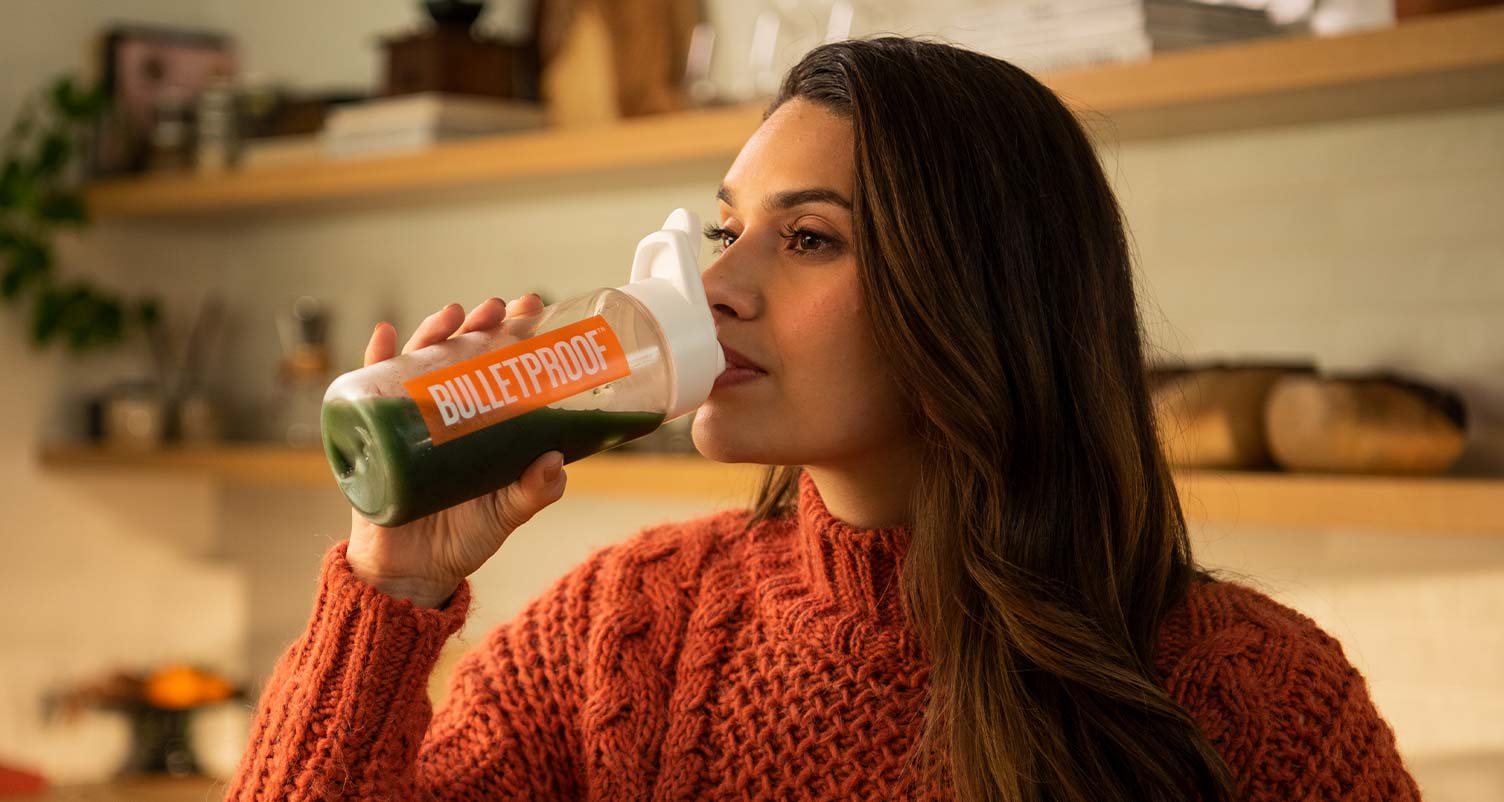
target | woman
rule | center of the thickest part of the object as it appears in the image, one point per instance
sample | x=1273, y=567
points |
x=976, y=585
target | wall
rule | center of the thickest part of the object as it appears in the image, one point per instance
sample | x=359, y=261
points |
x=333, y=44
x=96, y=577
x=1359, y=243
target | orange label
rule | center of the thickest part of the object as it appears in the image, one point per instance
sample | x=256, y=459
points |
x=493, y=387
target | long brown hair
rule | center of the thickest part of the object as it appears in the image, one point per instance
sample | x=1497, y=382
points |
x=1047, y=538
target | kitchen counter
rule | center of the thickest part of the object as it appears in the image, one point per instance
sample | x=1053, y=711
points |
x=193, y=789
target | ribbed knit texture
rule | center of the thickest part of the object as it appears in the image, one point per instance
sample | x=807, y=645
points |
x=692, y=662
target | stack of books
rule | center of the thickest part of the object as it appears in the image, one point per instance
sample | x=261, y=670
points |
x=1182, y=24
x=1045, y=35
x=419, y=121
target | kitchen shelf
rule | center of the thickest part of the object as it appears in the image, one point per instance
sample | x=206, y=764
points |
x=1437, y=62
x=145, y=789
x=626, y=473
x=1441, y=505
x=1424, y=505
x=436, y=173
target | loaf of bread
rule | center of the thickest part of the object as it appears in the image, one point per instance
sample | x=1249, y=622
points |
x=1212, y=416
x=1376, y=423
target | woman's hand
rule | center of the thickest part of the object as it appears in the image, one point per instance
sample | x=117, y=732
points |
x=426, y=560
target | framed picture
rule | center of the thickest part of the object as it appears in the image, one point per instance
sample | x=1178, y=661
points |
x=148, y=73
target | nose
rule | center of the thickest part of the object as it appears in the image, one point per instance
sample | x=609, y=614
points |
x=731, y=287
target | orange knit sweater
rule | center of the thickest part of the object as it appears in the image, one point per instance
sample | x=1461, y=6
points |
x=691, y=663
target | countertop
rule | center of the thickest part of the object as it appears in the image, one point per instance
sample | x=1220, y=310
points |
x=194, y=789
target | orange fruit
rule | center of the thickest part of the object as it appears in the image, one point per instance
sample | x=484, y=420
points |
x=213, y=688
x=174, y=687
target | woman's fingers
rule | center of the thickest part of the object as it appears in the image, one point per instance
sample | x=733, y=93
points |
x=383, y=344
x=447, y=322
x=540, y=485
x=436, y=327
x=526, y=305
x=487, y=315
x=521, y=315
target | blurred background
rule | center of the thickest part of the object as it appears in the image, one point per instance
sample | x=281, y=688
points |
x=205, y=206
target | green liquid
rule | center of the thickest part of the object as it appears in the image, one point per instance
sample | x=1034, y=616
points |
x=390, y=470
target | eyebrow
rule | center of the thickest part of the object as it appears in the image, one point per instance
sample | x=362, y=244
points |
x=793, y=197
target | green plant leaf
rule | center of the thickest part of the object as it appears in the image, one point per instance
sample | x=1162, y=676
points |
x=63, y=92
x=81, y=323
x=75, y=311
x=52, y=155
x=12, y=185
x=92, y=103
x=89, y=319
x=47, y=314
x=79, y=329
x=149, y=313
x=21, y=129
x=62, y=208
x=111, y=321
x=11, y=283
x=77, y=103
x=29, y=262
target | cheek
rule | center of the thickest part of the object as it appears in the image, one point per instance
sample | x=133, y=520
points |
x=834, y=380
x=825, y=331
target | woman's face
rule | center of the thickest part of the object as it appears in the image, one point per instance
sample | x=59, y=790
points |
x=784, y=293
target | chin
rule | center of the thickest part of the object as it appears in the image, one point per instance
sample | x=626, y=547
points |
x=722, y=440
x=714, y=447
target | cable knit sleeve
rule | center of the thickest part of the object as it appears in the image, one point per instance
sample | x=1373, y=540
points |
x=1283, y=706
x=346, y=714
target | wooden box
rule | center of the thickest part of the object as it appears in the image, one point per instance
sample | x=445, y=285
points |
x=451, y=60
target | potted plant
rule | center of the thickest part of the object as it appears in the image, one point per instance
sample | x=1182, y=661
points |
x=40, y=179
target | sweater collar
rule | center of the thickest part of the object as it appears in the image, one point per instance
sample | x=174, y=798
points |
x=855, y=571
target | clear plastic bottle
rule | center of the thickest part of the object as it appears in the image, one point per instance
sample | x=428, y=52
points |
x=424, y=431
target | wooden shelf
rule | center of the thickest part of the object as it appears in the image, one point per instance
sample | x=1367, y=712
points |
x=1430, y=505
x=1433, y=505
x=165, y=789
x=453, y=167
x=1424, y=64
x=624, y=473
x=1444, y=61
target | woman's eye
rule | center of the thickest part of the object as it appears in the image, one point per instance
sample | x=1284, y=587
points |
x=808, y=241
x=722, y=238
x=802, y=241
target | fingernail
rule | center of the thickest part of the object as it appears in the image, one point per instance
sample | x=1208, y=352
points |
x=499, y=300
x=552, y=467
x=536, y=296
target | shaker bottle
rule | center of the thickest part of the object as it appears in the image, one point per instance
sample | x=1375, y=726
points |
x=424, y=431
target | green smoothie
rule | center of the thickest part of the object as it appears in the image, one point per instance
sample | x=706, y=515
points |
x=389, y=469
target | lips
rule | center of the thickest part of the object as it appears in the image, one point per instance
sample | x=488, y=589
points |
x=739, y=370
x=735, y=361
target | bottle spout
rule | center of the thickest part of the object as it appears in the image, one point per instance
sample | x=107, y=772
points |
x=672, y=253
x=683, y=221
x=666, y=278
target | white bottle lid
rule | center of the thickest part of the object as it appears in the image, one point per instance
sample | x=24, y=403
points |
x=666, y=279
